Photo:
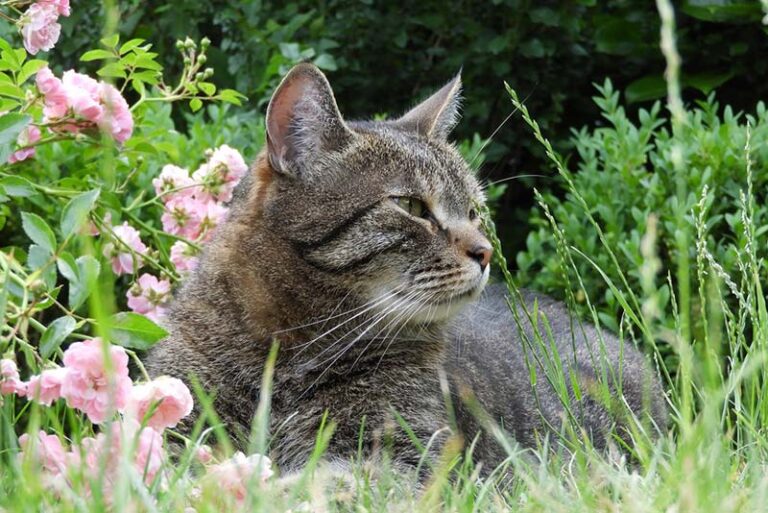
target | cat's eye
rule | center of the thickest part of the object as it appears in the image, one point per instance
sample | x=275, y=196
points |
x=472, y=214
x=413, y=206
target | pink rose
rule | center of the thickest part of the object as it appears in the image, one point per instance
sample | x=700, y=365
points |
x=62, y=6
x=146, y=447
x=117, y=120
x=172, y=178
x=9, y=379
x=219, y=176
x=46, y=387
x=123, y=258
x=181, y=217
x=148, y=296
x=184, y=257
x=211, y=215
x=234, y=475
x=204, y=454
x=87, y=384
x=56, y=104
x=30, y=135
x=39, y=28
x=172, y=397
x=83, y=95
x=48, y=453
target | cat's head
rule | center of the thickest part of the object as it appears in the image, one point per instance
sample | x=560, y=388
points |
x=387, y=210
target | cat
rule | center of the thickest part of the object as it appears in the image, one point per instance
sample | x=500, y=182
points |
x=358, y=246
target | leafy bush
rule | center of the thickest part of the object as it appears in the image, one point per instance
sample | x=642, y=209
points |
x=625, y=174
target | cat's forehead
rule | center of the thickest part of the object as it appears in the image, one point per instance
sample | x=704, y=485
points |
x=417, y=164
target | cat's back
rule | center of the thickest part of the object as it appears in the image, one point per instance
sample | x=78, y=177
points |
x=495, y=354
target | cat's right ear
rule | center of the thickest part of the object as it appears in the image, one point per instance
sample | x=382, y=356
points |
x=303, y=121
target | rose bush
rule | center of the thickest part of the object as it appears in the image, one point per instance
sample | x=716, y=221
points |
x=91, y=174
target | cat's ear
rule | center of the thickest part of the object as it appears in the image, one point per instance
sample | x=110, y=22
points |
x=303, y=121
x=437, y=115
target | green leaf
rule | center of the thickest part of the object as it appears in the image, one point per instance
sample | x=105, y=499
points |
x=207, y=88
x=130, y=45
x=135, y=331
x=195, y=104
x=55, y=334
x=707, y=82
x=29, y=69
x=111, y=41
x=647, y=88
x=88, y=269
x=150, y=77
x=17, y=187
x=39, y=258
x=11, y=126
x=11, y=90
x=67, y=267
x=4, y=294
x=148, y=61
x=95, y=55
x=231, y=96
x=138, y=86
x=326, y=62
x=76, y=211
x=113, y=70
x=39, y=231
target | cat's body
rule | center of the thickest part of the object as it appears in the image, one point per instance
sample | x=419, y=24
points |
x=357, y=247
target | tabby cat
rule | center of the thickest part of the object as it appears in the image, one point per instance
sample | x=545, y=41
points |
x=358, y=247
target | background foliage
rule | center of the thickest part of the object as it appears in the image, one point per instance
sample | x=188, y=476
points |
x=382, y=56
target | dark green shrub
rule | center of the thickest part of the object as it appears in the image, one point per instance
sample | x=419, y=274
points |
x=384, y=55
x=625, y=175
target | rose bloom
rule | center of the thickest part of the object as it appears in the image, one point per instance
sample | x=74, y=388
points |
x=219, y=176
x=234, y=475
x=30, y=135
x=62, y=6
x=171, y=178
x=126, y=437
x=39, y=28
x=116, y=120
x=145, y=447
x=212, y=213
x=56, y=104
x=181, y=216
x=184, y=257
x=148, y=296
x=10, y=383
x=83, y=95
x=204, y=454
x=46, y=387
x=87, y=385
x=172, y=397
x=232, y=160
x=122, y=259
x=48, y=452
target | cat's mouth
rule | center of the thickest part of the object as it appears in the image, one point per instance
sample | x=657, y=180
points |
x=420, y=306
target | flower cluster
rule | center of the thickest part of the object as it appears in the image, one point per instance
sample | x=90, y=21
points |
x=94, y=380
x=193, y=205
x=77, y=102
x=39, y=24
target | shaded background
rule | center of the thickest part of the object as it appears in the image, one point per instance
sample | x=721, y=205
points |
x=383, y=56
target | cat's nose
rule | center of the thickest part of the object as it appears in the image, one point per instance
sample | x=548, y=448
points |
x=481, y=254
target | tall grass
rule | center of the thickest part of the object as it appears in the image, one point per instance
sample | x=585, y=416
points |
x=714, y=458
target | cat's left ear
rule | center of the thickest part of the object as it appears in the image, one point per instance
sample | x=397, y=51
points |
x=436, y=116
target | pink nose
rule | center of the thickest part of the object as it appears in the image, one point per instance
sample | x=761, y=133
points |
x=481, y=254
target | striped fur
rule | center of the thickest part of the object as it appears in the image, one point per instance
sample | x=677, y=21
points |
x=361, y=295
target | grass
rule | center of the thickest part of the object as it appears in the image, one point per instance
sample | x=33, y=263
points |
x=713, y=459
